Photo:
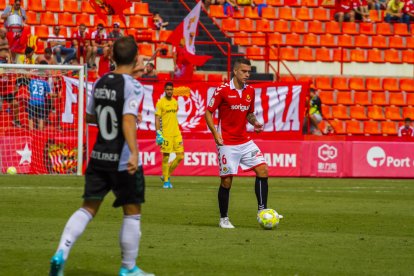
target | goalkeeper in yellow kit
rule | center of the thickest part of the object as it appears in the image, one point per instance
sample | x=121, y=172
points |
x=168, y=133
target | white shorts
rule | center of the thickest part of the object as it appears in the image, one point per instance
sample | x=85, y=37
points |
x=247, y=155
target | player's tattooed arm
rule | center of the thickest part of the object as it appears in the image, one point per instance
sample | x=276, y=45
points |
x=251, y=118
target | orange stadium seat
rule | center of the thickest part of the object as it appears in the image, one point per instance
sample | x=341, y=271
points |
x=353, y=127
x=338, y=126
x=401, y=29
x=40, y=46
x=3, y=5
x=316, y=27
x=392, y=56
x=286, y=13
x=164, y=35
x=237, y=14
x=35, y=5
x=323, y=54
x=242, y=39
x=145, y=49
x=408, y=56
x=407, y=85
x=362, y=41
x=345, y=41
x=215, y=77
x=332, y=27
x=366, y=28
x=64, y=33
x=326, y=111
x=327, y=40
x=288, y=54
x=83, y=18
x=340, y=83
x=142, y=9
x=408, y=112
x=137, y=22
x=327, y=97
x=303, y=14
x=97, y=19
x=390, y=84
x=375, y=16
x=323, y=83
x=306, y=54
x=31, y=18
x=384, y=29
x=292, y=3
x=275, y=3
x=362, y=98
x=357, y=112
x=344, y=98
x=349, y=28
x=389, y=128
x=264, y=26
x=341, y=55
x=71, y=6
x=47, y=18
x=254, y=53
x=396, y=42
x=379, y=98
x=379, y=41
x=340, y=112
x=41, y=31
x=321, y=14
x=310, y=3
x=371, y=128
x=275, y=38
x=273, y=53
x=66, y=19
x=375, y=55
x=267, y=12
x=229, y=24
x=310, y=40
x=251, y=12
x=373, y=84
x=293, y=39
x=281, y=26
x=217, y=11
x=246, y=25
x=53, y=5
x=298, y=27
x=258, y=39
x=397, y=99
x=409, y=42
x=199, y=77
x=357, y=83
x=86, y=7
x=393, y=113
x=358, y=55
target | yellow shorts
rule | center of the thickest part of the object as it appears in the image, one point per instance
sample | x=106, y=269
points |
x=172, y=144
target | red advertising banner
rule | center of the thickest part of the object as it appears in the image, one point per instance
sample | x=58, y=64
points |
x=374, y=159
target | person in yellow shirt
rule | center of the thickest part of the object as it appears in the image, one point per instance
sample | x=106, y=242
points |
x=28, y=57
x=168, y=133
x=394, y=12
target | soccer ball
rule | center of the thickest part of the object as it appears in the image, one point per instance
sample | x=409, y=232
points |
x=268, y=218
x=11, y=170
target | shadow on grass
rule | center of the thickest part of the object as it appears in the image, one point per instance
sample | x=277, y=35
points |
x=83, y=272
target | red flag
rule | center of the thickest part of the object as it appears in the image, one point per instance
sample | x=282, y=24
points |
x=176, y=36
x=104, y=8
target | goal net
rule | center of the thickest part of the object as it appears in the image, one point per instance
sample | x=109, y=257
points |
x=41, y=119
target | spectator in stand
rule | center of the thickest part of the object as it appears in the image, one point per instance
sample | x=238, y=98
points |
x=149, y=71
x=116, y=32
x=344, y=11
x=81, y=43
x=406, y=130
x=57, y=42
x=5, y=55
x=47, y=57
x=28, y=57
x=100, y=45
x=377, y=4
x=18, y=42
x=15, y=9
x=394, y=12
x=315, y=112
x=159, y=21
x=408, y=15
x=361, y=10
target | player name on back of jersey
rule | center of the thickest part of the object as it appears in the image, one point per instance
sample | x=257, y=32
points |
x=114, y=157
x=104, y=93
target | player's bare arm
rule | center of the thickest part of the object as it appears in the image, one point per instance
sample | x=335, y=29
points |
x=157, y=123
x=251, y=118
x=210, y=123
x=91, y=119
x=130, y=134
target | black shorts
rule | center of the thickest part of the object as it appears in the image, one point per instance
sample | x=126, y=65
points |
x=128, y=189
x=36, y=111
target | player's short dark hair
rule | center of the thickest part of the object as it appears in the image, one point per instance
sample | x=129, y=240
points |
x=407, y=119
x=125, y=50
x=241, y=61
x=151, y=64
x=43, y=62
x=48, y=50
x=168, y=83
x=28, y=50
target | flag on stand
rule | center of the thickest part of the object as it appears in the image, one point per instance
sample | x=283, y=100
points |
x=104, y=8
x=187, y=30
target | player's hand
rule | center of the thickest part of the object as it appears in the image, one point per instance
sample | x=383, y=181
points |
x=258, y=127
x=218, y=139
x=132, y=166
x=159, y=139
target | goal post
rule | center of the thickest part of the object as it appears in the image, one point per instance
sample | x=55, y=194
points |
x=42, y=127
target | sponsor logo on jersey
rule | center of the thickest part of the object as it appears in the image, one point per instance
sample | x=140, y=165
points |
x=240, y=107
x=248, y=98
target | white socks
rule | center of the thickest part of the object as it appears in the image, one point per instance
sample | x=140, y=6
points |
x=73, y=229
x=129, y=237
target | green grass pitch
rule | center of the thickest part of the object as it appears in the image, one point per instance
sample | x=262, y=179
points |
x=330, y=227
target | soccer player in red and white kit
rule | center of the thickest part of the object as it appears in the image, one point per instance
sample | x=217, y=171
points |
x=406, y=130
x=235, y=103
